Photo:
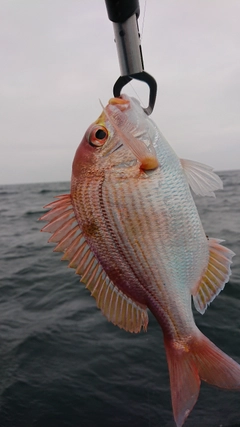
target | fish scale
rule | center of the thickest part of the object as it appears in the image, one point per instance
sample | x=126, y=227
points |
x=148, y=235
x=104, y=240
x=129, y=227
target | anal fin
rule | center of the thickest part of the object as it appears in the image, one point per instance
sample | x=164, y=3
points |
x=117, y=307
x=216, y=275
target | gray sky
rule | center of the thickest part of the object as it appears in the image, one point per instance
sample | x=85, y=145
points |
x=58, y=58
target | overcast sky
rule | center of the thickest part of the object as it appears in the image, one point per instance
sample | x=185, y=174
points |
x=58, y=58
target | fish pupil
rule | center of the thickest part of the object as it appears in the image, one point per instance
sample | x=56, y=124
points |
x=100, y=134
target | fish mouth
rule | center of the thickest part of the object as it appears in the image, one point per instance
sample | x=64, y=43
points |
x=124, y=129
x=115, y=113
x=122, y=104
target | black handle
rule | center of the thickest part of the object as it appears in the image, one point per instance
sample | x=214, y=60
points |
x=121, y=10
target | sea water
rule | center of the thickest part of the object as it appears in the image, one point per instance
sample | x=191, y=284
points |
x=62, y=364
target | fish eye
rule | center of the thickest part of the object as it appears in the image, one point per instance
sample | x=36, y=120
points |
x=98, y=136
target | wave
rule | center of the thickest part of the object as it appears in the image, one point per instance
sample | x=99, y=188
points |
x=45, y=191
x=29, y=213
x=7, y=193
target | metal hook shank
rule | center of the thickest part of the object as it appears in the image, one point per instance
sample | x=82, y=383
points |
x=128, y=46
x=143, y=76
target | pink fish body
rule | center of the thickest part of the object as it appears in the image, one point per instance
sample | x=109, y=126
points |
x=131, y=229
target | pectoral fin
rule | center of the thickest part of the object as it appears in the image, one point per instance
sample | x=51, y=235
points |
x=201, y=178
x=216, y=275
x=114, y=304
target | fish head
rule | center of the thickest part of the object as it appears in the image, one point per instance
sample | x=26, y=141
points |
x=118, y=138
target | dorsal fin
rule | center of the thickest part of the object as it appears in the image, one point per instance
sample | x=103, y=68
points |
x=214, y=279
x=114, y=304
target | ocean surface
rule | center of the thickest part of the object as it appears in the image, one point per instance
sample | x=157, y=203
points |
x=62, y=364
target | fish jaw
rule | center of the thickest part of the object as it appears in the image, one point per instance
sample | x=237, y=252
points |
x=125, y=129
x=122, y=102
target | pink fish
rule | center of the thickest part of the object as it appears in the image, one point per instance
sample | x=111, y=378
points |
x=131, y=230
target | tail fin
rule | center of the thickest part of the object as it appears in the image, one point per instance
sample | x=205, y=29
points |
x=193, y=361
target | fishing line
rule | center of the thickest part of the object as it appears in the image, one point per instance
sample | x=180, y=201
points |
x=136, y=93
x=141, y=37
x=143, y=21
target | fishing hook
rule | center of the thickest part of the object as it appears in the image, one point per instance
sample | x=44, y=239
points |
x=124, y=15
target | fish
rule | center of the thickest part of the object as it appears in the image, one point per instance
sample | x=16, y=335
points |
x=130, y=228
